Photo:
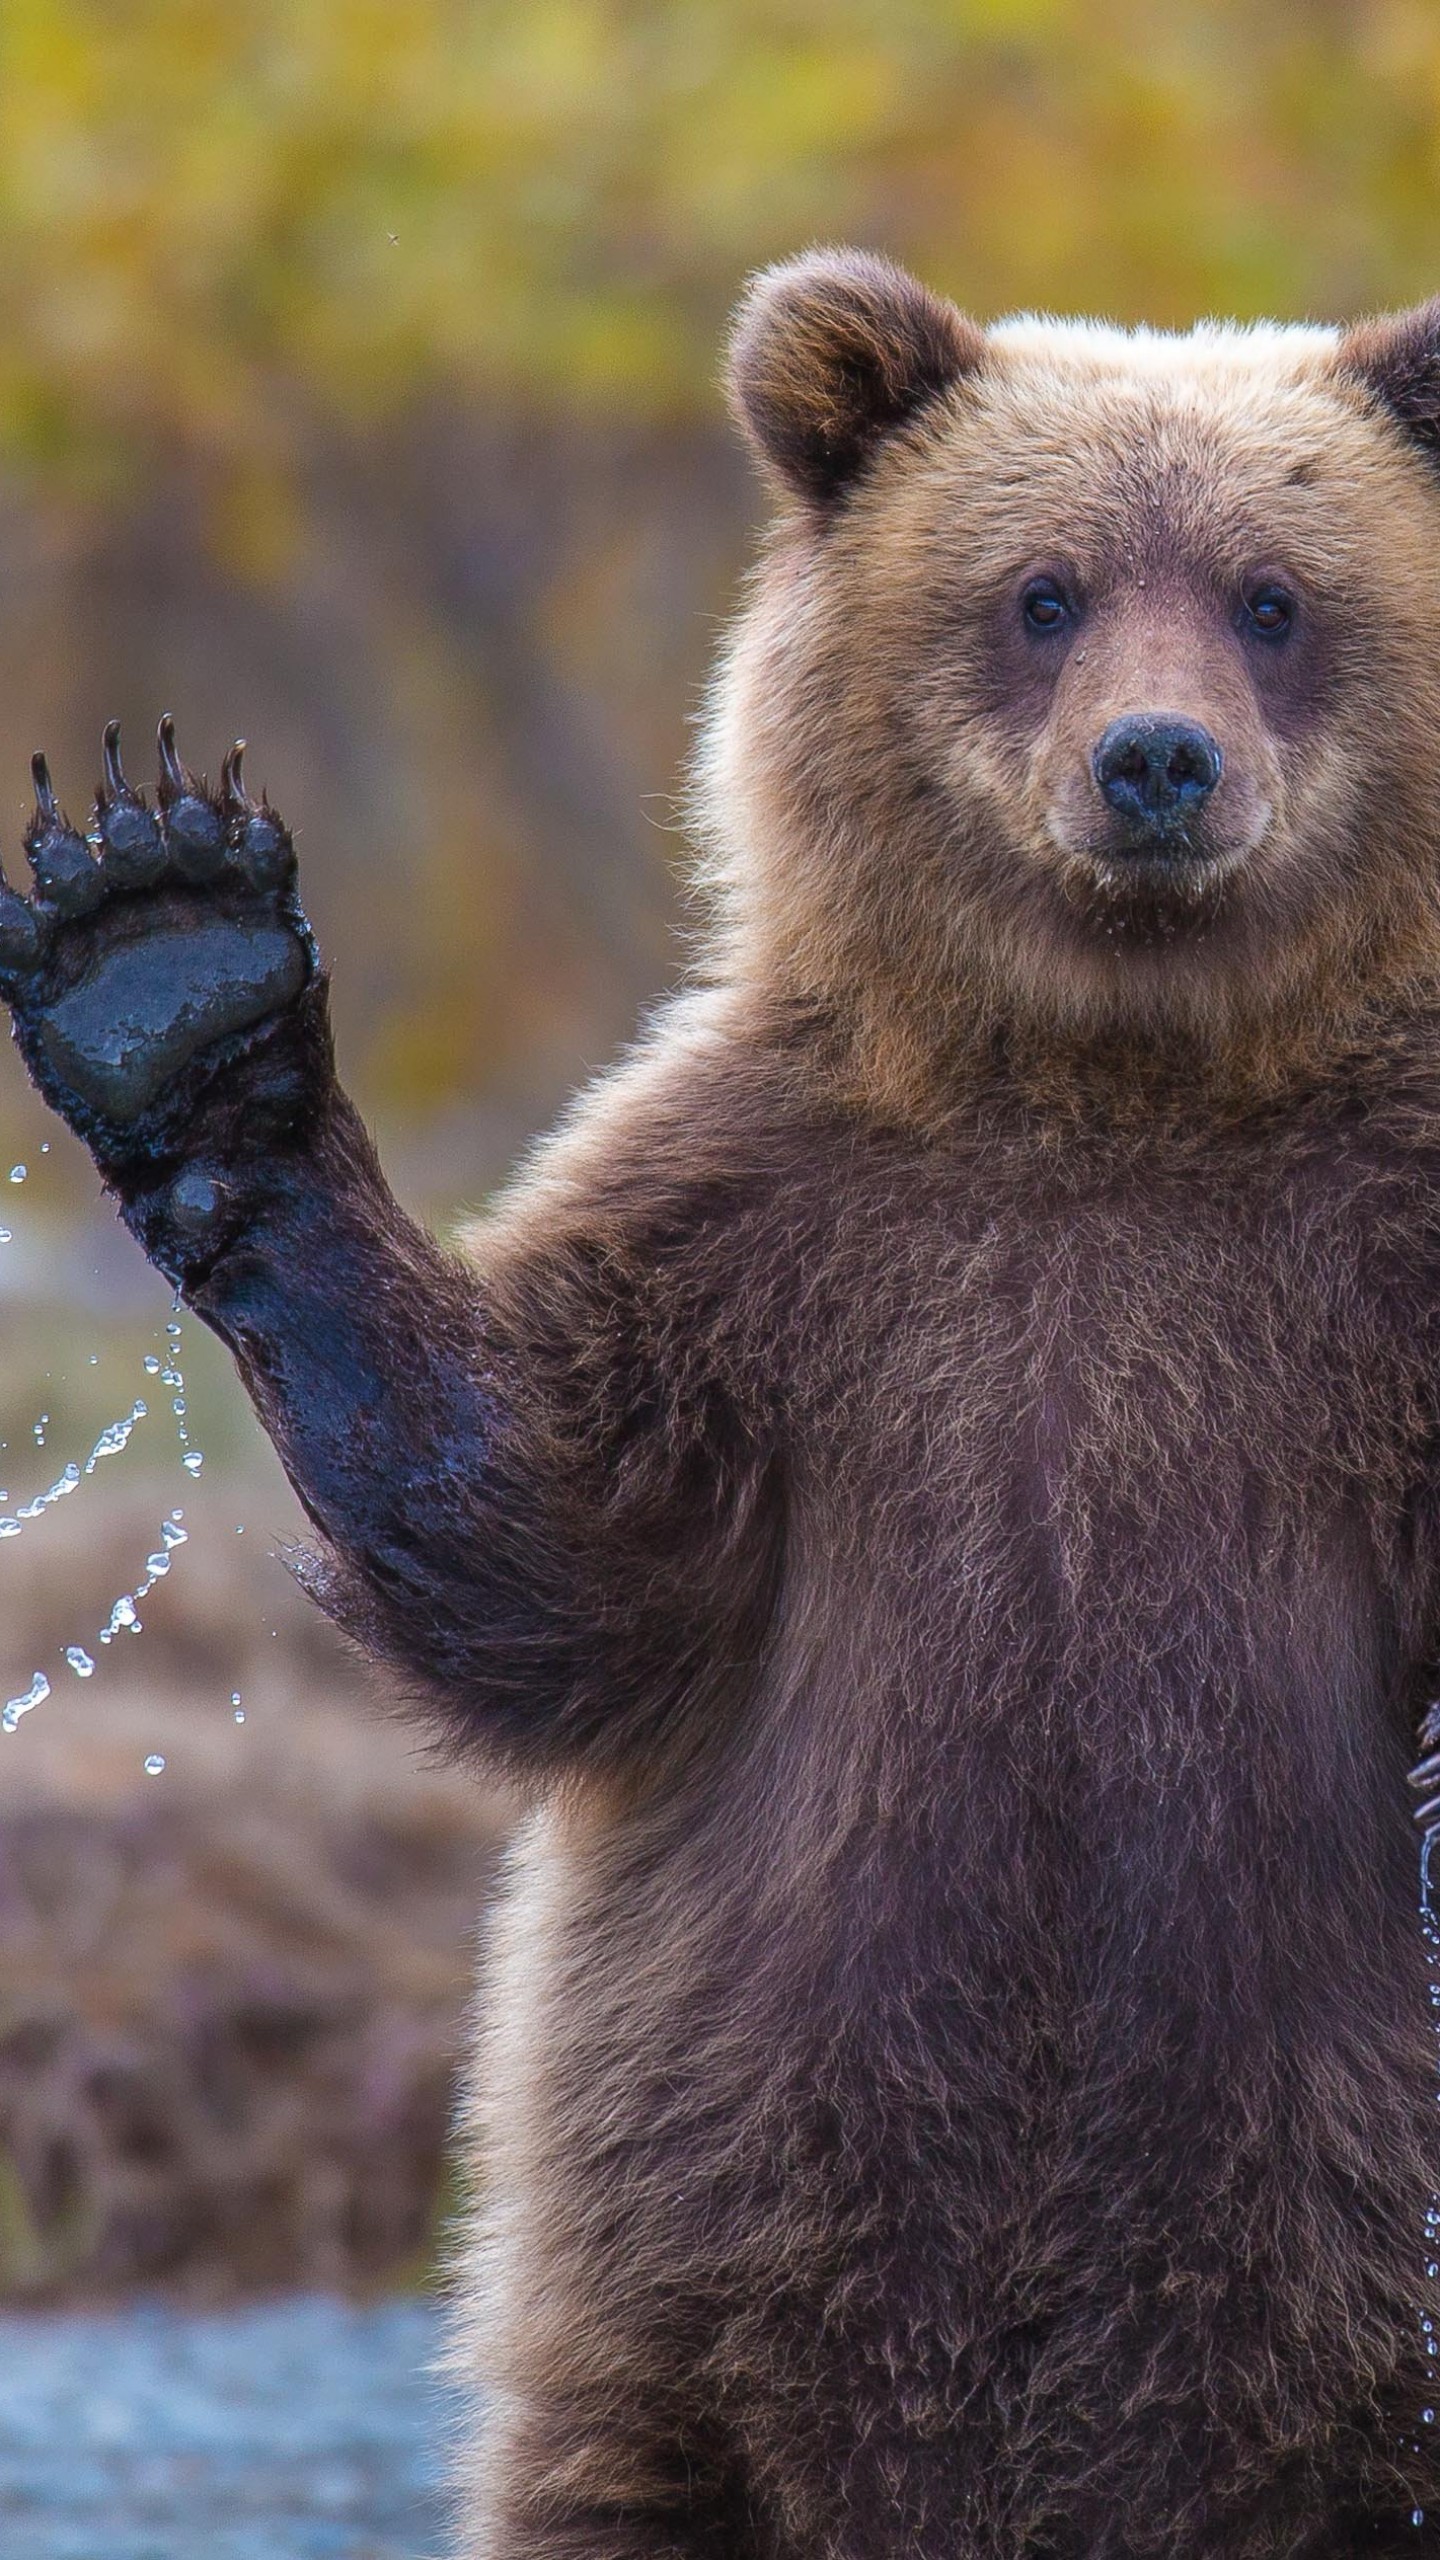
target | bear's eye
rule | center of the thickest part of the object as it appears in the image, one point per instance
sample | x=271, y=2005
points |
x=1045, y=605
x=1270, y=611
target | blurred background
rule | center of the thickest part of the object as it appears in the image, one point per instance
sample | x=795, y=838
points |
x=357, y=395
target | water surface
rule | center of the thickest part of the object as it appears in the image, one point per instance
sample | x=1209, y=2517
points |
x=304, y=2430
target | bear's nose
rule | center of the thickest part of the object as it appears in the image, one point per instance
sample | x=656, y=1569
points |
x=1156, y=770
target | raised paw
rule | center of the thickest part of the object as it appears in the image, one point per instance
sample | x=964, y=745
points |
x=155, y=956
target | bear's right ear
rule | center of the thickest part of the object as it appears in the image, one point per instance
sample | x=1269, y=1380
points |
x=1398, y=360
x=832, y=352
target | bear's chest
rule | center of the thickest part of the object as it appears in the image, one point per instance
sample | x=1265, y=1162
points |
x=1121, y=1375
x=1112, y=1523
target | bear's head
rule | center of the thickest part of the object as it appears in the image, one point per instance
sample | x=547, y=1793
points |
x=1089, y=689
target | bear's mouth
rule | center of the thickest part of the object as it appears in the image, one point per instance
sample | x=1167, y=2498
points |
x=1154, y=891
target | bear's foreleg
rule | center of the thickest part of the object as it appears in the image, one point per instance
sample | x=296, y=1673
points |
x=169, y=1003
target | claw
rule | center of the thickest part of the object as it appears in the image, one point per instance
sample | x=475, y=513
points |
x=47, y=807
x=68, y=882
x=115, y=783
x=194, y=828
x=129, y=836
x=236, y=799
x=174, y=780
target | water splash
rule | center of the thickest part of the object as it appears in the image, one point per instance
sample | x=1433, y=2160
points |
x=122, y=1615
x=35, y=1509
x=15, y=1708
x=64, y=1483
x=116, y=1435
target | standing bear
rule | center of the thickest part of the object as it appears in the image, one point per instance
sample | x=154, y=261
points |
x=931, y=1481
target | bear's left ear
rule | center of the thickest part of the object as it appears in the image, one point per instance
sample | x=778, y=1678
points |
x=830, y=353
x=1398, y=360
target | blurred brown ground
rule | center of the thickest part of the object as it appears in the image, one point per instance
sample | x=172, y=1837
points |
x=231, y=1990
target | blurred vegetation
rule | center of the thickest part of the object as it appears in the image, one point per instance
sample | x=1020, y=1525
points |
x=357, y=390
x=234, y=1956
x=357, y=394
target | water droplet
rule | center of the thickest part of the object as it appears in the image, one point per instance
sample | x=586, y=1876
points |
x=17, y=1172
x=152, y=1364
x=122, y=1615
x=15, y=1708
x=116, y=1435
x=239, y=1715
x=44, y=1146
x=157, y=1565
x=1417, y=2515
x=81, y=1662
x=154, y=1763
x=178, y=1408
x=9, y=1528
x=64, y=1483
x=193, y=1461
x=5, y=1236
x=172, y=1535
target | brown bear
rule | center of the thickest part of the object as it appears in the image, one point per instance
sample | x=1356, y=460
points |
x=931, y=1482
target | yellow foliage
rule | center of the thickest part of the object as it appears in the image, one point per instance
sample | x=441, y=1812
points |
x=363, y=355
x=557, y=197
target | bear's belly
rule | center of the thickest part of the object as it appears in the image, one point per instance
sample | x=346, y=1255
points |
x=1025, y=1999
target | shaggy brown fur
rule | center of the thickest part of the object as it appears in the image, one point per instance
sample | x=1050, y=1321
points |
x=932, y=1481
x=959, y=2081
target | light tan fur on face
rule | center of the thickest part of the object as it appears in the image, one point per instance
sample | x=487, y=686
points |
x=921, y=858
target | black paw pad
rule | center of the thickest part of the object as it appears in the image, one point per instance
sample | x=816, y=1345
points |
x=21, y=937
x=194, y=830
x=144, y=960
x=259, y=841
x=194, y=1204
x=127, y=832
x=68, y=880
x=147, y=1008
